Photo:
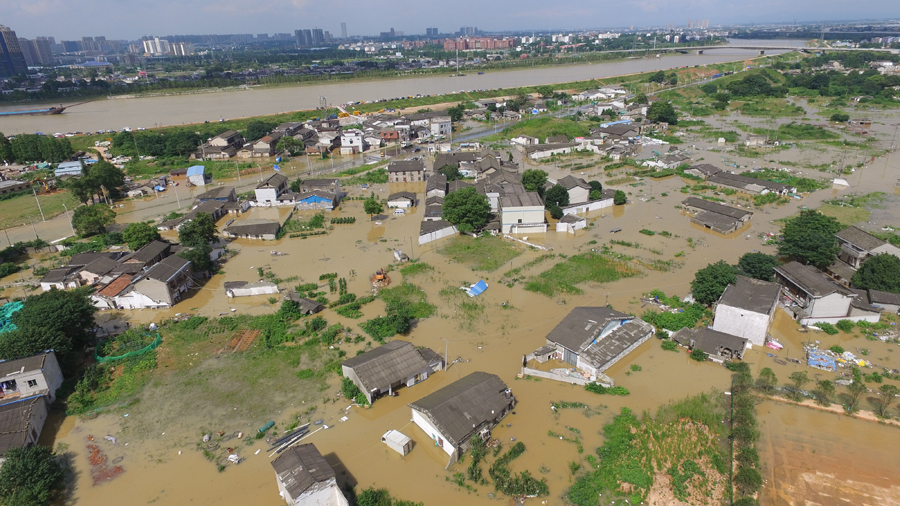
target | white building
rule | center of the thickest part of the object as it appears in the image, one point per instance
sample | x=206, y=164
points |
x=746, y=309
x=570, y=223
x=306, y=479
x=440, y=125
x=522, y=214
x=157, y=46
x=352, y=142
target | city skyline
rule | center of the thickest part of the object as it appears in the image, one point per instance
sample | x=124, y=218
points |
x=66, y=20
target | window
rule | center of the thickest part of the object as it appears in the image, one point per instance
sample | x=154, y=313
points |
x=32, y=383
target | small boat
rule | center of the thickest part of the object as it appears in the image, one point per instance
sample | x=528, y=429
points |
x=775, y=345
x=35, y=112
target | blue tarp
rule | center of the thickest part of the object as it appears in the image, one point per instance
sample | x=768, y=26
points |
x=477, y=288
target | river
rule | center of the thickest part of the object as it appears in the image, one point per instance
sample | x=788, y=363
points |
x=147, y=112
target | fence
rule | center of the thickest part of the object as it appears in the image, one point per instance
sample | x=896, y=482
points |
x=152, y=346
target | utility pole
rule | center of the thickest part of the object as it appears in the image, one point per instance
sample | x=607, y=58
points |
x=38, y=203
x=32, y=228
x=67, y=217
x=446, y=353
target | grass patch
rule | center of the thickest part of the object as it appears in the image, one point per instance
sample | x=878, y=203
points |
x=16, y=210
x=466, y=310
x=486, y=253
x=846, y=215
x=377, y=176
x=415, y=268
x=799, y=132
x=564, y=276
x=542, y=128
x=803, y=184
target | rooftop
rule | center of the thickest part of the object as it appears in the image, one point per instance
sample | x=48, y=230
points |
x=406, y=166
x=149, y=252
x=221, y=192
x=731, y=212
x=402, y=195
x=860, y=238
x=601, y=353
x=582, y=325
x=709, y=340
x=428, y=227
x=302, y=467
x=167, y=268
x=15, y=421
x=387, y=364
x=254, y=227
x=273, y=181
x=32, y=363
x=570, y=182
x=458, y=408
x=751, y=294
x=810, y=279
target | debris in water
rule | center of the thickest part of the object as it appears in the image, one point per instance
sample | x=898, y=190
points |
x=111, y=439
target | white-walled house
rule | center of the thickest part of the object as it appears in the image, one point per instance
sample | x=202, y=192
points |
x=469, y=407
x=268, y=191
x=570, y=223
x=522, y=213
x=814, y=297
x=382, y=370
x=746, y=309
x=352, y=142
x=403, y=200
x=440, y=125
x=433, y=230
x=305, y=478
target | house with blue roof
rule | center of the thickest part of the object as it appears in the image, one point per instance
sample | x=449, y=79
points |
x=198, y=176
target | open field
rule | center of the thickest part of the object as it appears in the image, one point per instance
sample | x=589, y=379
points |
x=17, y=210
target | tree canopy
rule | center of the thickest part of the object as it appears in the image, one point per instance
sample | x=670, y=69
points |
x=257, y=129
x=55, y=320
x=662, y=112
x=596, y=186
x=534, y=180
x=809, y=238
x=372, y=205
x=880, y=272
x=30, y=477
x=138, y=235
x=467, y=209
x=451, y=171
x=620, y=198
x=199, y=257
x=556, y=196
x=758, y=265
x=92, y=219
x=710, y=282
x=200, y=230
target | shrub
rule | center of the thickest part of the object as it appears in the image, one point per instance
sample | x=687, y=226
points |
x=837, y=349
x=827, y=328
x=669, y=346
x=647, y=232
x=845, y=325
x=699, y=355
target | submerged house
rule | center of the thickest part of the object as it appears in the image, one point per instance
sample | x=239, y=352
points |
x=747, y=308
x=594, y=338
x=718, y=345
x=469, y=407
x=382, y=370
x=28, y=389
x=246, y=288
x=306, y=479
x=814, y=297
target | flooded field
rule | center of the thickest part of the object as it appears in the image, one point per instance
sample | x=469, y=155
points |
x=810, y=457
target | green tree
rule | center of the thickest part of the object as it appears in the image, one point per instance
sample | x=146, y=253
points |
x=699, y=355
x=840, y=117
x=855, y=391
x=372, y=205
x=710, y=282
x=595, y=195
x=294, y=185
x=198, y=231
x=258, y=129
x=640, y=98
x=292, y=146
x=824, y=392
x=199, y=257
x=748, y=480
x=106, y=175
x=56, y=320
x=809, y=238
x=767, y=380
x=451, y=171
x=672, y=79
x=556, y=196
x=657, y=77
x=596, y=186
x=467, y=209
x=880, y=272
x=746, y=501
x=556, y=212
x=545, y=91
x=138, y=235
x=30, y=477
x=798, y=378
x=709, y=88
x=456, y=113
x=620, y=198
x=662, y=112
x=758, y=265
x=93, y=219
x=887, y=395
x=534, y=180
x=6, y=153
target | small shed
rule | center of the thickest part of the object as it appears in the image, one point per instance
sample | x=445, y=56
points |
x=402, y=200
x=245, y=289
x=197, y=175
x=397, y=441
x=570, y=223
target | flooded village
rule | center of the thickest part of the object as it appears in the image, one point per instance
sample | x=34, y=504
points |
x=568, y=307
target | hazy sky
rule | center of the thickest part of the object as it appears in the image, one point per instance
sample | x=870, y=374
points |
x=131, y=19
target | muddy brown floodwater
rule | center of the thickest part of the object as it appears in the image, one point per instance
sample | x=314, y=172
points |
x=165, y=468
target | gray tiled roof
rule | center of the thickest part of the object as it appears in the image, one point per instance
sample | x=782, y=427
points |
x=406, y=166
x=302, y=467
x=460, y=407
x=879, y=297
x=570, y=182
x=601, y=353
x=403, y=195
x=15, y=417
x=387, y=364
x=731, y=212
x=709, y=340
x=32, y=363
x=582, y=325
x=751, y=294
x=428, y=227
x=58, y=275
x=254, y=227
x=810, y=279
x=860, y=238
x=150, y=251
x=167, y=268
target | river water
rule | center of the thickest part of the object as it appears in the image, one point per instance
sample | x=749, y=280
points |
x=117, y=113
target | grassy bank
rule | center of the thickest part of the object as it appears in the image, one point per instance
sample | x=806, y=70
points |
x=485, y=253
x=564, y=277
x=17, y=210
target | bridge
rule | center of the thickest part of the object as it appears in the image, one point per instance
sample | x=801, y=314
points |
x=762, y=48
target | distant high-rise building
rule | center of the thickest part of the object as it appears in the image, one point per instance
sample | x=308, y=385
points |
x=28, y=52
x=431, y=32
x=43, y=50
x=182, y=48
x=157, y=46
x=13, y=61
x=304, y=37
x=262, y=36
x=343, y=30
x=70, y=46
x=318, y=37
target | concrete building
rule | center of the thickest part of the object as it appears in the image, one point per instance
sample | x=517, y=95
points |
x=198, y=176
x=857, y=246
x=162, y=286
x=252, y=229
x=433, y=230
x=570, y=223
x=352, y=142
x=268, y=191
x=247, y=289
x=382, y=370
x=522, y=213
x=719, y=346
x=469, y=407
x=593, y=339
x=441, y=126
x=746, y=309
x=812, y=297
x=403, y=200
x=406, y=171
x=306, y=479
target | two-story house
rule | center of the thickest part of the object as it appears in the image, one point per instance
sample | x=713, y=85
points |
x=268, y=191
x=352, y=142
x=406, y=171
